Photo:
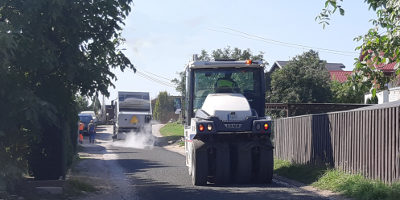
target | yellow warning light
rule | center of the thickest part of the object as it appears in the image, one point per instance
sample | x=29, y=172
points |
x=134, y=120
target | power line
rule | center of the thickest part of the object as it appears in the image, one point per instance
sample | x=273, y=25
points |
x=155, y=79
x=347, y=52
x=276, y=42
x=247, y=37
x=154, y=74
x=152, y=79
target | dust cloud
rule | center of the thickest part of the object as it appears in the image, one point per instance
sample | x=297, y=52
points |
x=138, y=140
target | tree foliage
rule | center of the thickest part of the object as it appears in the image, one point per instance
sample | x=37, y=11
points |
x=348, y=92
x=304, y=79
x=95, y=105
x=228, y=53
x=373, y=100
x=180, y=82
x=82, y=103
x=163, y=108
x=380, y=44
x=52, y=50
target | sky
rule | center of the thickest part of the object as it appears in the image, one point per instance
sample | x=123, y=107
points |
x=162, y=36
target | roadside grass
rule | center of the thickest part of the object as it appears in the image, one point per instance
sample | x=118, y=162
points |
x=326, y=178
x=303, y=173
x=76, y=186
x=357, y=186
x=172, y=131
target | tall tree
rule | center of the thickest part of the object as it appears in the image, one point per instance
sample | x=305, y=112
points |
x=163, y=108
x=52, y=50
x=304, y=79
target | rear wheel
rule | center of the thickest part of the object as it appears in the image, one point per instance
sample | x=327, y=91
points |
x=199, y=164
x=266, y=169
x=244, y=168
x=222, y=165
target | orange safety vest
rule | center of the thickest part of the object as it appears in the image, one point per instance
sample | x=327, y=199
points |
x=81, y=126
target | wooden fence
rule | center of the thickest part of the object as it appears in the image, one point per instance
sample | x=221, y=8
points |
x=363, y=140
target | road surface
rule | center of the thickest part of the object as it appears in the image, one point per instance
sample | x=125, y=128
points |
x=152, y=173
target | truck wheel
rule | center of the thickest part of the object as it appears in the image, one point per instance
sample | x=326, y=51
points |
x=244, y=168
x=222, y=165
x=266, y=169
x=199, y=164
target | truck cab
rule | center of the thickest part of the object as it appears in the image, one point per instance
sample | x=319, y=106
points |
x=227, y=136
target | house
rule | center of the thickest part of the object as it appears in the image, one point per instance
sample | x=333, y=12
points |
x=392, y=89
x=335, y=70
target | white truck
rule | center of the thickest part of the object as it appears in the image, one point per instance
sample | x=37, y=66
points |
x=227, y=136
x=133, y=113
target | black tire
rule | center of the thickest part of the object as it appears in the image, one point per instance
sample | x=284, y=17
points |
x=244, y=168
x=199, y=164
x=222, y=165
x=266, y=169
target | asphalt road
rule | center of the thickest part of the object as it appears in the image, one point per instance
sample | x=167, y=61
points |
x=155, y=173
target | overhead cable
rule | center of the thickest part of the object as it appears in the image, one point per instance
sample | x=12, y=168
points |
x=153, y=79
x=290, y=45
x=155, y=74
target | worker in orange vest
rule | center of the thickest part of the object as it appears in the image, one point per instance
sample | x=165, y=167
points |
x=81, y=128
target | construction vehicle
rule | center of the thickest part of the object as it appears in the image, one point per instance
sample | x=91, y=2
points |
x=227, y=136
x=133, y=113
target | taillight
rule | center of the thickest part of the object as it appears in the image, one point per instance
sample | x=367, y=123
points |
x=201, y=127
x=209, y=127
x=266, y=126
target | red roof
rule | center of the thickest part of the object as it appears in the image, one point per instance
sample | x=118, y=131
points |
x=340, y=76
x=387, y=68
x=384, y=68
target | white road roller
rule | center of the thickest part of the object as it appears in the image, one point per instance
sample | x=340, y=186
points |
x=227, y=136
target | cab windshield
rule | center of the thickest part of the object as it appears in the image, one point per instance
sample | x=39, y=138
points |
x=243, y=81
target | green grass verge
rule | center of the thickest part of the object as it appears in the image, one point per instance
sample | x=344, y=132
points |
x=357, y=186
x=302, y=173
x=172, y=131
x=354, y=186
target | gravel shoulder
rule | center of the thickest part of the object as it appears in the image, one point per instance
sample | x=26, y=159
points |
x=99, y=168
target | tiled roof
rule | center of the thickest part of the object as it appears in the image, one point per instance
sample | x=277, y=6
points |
x=384, y=68
x=341, y=76
x=387, y=68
